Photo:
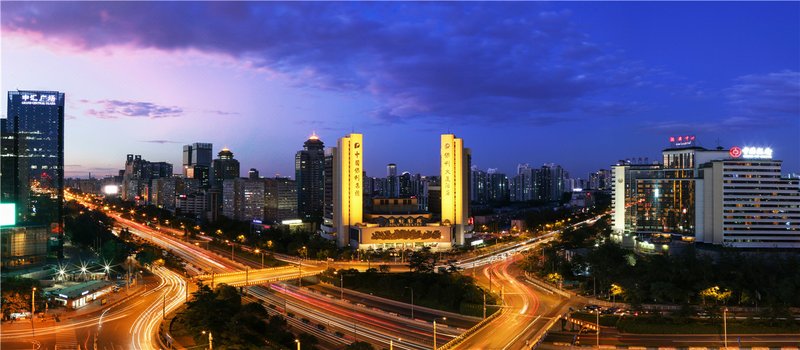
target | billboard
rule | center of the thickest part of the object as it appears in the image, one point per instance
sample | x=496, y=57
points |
x=8, y=214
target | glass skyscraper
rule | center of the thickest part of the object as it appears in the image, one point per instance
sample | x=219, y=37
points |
x=32, y=173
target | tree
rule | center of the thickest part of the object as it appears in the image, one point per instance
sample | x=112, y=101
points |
x=422, y=261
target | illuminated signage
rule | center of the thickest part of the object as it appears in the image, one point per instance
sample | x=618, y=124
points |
x=39, y=99
x=8, y=214
x=451, y=179
x=682, y=141
x=292, y=222
x=757, y=152
x=735, y=152
x=751, y=152
x=476, y=242
x=110, y=189
x=85, y=292
x=352, y=168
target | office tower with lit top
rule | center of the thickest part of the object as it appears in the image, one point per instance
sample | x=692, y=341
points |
x=309, y=166
x=32, y=174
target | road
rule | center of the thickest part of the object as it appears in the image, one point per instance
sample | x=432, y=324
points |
x=524, y=310
x=109, y=328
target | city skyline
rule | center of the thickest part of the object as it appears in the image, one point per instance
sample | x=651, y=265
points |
x=575, y=75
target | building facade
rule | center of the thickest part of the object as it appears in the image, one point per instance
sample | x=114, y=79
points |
x=32, y=174
x=309, y=167
x=745, y=203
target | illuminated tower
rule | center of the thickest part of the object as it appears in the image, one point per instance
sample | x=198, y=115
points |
x=348, y=186
x=455, y=185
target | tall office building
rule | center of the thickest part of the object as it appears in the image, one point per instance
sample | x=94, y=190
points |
x=309, y=169
x=455, y=167
x=197, y=163
x=224, y=167
x=348, y=199
x=280, y=199
x=32, y=174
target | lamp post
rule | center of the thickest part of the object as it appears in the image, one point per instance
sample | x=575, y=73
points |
x=262, y=257
x=210, y=340
x=597, y=334
x=391, y=343
x=725, y=325
x=434, y=331
x=412, y=302
x=298, y=343
x=341, y=284
x=33, y=307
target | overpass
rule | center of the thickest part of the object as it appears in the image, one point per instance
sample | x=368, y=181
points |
x=253, y=277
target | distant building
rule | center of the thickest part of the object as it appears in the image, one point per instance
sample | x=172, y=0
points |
x=197, y=163
x=224, y=167
x=392, y=188
x=280, y=197
x=309, y=166
x=32, y=175
x=253, y=174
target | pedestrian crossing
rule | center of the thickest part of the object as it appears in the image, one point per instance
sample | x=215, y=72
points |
x=66, y=340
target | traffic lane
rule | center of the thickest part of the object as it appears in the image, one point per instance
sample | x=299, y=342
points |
x=391, y=306
x=350, y=329
x=379, y=320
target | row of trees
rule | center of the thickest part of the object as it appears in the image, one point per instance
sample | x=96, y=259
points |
x=722, y=278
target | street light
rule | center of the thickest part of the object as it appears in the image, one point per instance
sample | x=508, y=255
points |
x=298, y=343
x=33, y=307
x=341, y=284
x=262, y=256
x=434, y=330
x=210, y=340
x=725, y=325
x=412, y=301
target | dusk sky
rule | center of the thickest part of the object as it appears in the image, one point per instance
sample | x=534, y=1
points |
x=579, y=84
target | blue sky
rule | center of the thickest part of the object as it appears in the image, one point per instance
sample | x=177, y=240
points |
x=580, y=84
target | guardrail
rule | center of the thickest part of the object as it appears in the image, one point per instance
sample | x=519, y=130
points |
x=537, y=340
x=463, y=336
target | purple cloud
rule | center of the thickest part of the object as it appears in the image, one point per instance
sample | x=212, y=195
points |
x=112, y=109
x=162, y=142
x=447, y=62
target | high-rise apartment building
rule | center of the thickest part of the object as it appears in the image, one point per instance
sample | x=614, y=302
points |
x=32, y=174
x=309, y=167
x=392, y=189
